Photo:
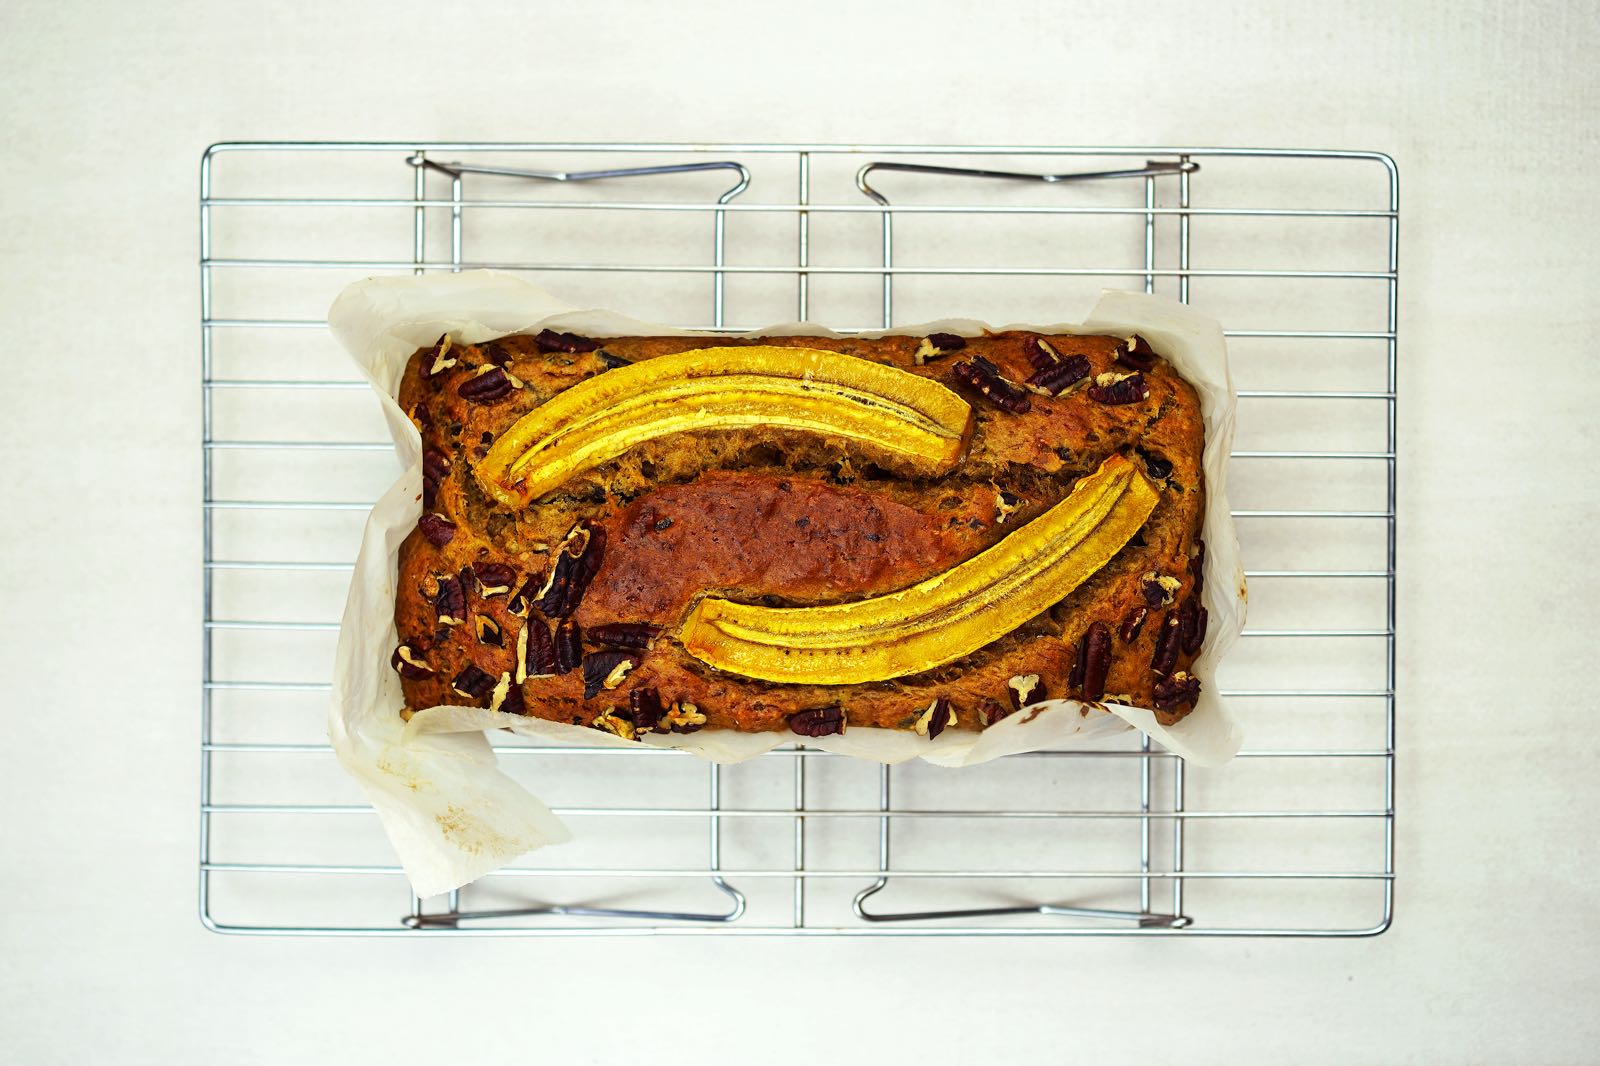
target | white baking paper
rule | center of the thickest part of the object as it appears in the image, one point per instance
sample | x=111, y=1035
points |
x=452, y=815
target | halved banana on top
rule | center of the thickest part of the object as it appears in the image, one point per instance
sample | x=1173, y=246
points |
x=911, y=419
x=938, y=620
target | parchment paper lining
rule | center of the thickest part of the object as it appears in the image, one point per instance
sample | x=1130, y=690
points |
x=450, y=812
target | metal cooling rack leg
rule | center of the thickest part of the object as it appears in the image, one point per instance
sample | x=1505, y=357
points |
x=453, y=918
x=1150, y=171
x=859, y=904
x=421, y=162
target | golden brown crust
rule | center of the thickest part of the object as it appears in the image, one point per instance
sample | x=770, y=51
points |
x=794, y=518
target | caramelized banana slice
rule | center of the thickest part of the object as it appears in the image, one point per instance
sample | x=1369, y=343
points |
x=938, y=620
x=911, y=419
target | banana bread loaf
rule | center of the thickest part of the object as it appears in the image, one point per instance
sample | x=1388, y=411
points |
x=801, y=533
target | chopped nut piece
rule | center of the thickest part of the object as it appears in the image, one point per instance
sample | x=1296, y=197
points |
x=408, y=662
x=489, y=385
x=1057, y=378
x=610, y=361
x=568, y=646
x=1025, y=689
x=1115, y=390
x=442, y=360
x=984, y=378
x=1158, y=589
x=635, y=636
x=1041, y=354
x=437, y=528
x=1006, y=504
x=610, y=721
x=536, y=652
x=1133, y=623
x=1093, y=662
x=683, y=718
x=991, y=710
x=937, y=344
x=646, y=707
x=1172, y=692
x=550, y=340
x=605, y=670
x=522, y=601
x=497, y=698
x=472, y=683
x=489, y=631
x=494, y=579
x=818, y=721
x=577, y=561
x=1193, y=624
x=1167, y=645
x=935, y=718
x=451, y=602
x=1137, y=353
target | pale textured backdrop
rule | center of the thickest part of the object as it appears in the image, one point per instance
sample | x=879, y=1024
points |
x=1488, y=109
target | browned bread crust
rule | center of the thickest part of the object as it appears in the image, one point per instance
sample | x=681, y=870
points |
x=789, y=518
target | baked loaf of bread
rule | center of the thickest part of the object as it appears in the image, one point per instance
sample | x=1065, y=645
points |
x=801, y=533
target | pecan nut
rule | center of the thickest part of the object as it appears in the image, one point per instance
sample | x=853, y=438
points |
x=552, y=340
x=1059, y=377
x=1173, y=692
x=1167, y=645
x=513, y=704
x=635, y=636
x=935, y=717
x=1115, y=390
x=568, y=646
x=645, y=705
x=610, y=360
x=473, y=683
x=437, y=528
x=936, y=344
x=409, y=663
x=1133, y=624
x=983, y=377
x=1197, y=565
x=435, y=464
x=1041, y=353
x=442, y=360
x=522, y=600
x=1158, y=589
x=991, y=710
x=577, y=561
x=1025, y=689
x=605, y=670
x=1193, y=625
x=493, y=579
x=488, y=630
x=489, y=386
x=1094, y=661
x=818, y=721
x=450, y=604
x=1136, y=352
x=536, y=652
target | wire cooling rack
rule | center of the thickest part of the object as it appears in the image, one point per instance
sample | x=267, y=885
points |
x=1294, y=251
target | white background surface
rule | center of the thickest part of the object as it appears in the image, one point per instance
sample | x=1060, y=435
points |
x=1488, y=111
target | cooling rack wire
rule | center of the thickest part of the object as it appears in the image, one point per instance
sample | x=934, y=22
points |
x=1294, y=251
